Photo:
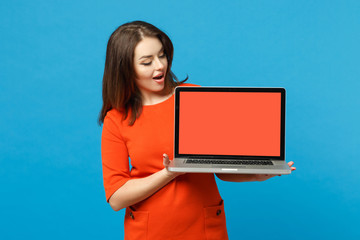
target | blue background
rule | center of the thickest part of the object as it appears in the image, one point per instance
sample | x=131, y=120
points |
x=52, y=57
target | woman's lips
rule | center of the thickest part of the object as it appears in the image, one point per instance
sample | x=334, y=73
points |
x=160, y=80
x=159, y=75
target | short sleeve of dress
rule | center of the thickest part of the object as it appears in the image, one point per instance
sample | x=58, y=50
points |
x=115, y=157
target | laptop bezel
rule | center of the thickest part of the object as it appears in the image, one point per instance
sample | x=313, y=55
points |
x=228, y=89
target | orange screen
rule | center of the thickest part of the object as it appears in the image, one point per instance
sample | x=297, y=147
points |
x=230, y=123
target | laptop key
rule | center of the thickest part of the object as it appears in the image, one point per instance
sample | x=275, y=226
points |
x=235, y=162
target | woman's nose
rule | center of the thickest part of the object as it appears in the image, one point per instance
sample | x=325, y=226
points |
x=158, y=64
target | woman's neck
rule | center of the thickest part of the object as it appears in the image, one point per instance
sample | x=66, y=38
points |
x=155, y=98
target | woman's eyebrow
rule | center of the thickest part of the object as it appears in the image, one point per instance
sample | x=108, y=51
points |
x=146, y=56
x=149, y=56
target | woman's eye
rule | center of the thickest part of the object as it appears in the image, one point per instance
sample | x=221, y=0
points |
x=146, y=64
x=162, y=55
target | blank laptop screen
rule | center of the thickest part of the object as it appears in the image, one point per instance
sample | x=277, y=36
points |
x=230, y=123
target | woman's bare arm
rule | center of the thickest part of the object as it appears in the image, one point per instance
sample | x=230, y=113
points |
x=136, y=190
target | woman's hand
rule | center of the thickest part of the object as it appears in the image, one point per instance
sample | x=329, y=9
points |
x=166, y=162
x=263, y=177
x=291, y=167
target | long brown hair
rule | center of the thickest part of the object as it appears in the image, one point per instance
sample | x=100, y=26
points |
x=119, y=88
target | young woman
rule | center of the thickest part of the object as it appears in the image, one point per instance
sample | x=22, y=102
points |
x=137, y=117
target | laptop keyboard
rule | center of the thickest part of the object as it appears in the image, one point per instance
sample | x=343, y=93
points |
x=235, y=162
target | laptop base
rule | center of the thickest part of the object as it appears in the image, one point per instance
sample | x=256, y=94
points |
x=279, y=167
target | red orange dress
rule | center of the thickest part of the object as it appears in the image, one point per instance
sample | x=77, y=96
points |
x=189, y=207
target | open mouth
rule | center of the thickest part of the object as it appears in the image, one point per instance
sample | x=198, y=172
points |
x=158, y=77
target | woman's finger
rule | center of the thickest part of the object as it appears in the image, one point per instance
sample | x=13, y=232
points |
x=166, y=160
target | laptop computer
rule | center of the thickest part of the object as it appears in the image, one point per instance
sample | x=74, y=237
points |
x=229, y=130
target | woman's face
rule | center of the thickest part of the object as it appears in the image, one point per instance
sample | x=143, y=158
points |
x=150, y=64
